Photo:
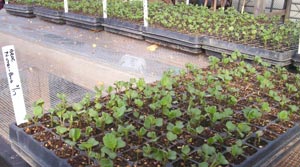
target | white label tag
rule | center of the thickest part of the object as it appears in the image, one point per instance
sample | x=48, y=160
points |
x=104, y=4
x=15, y=87
x=145, y=6
x=66, y=6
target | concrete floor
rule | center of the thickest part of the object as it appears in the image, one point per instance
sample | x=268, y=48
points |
x=83, y=58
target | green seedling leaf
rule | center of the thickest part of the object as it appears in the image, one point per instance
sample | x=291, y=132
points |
x=203, y=164
x=185, y=149
x=166, y=100
x=166, y=81
x=159, y=122
x=283, y=115
x=293, y=108
x=110, y=141
x=61, y=130
x=251, y=113
x=230, y=126
x=237, y=149
x=104, y=162
x=74, y=134
x=265, y=107
x=171, y=136
x=171, y=155
x=71, y=143
x=92, y=113
x=88, y=144
x=109, y=152
x=98, y=106
x=88, y=130
x=77, y=107
x=199, y=129
x=221, y=159
x=139, y=103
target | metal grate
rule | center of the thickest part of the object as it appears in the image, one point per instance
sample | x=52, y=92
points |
x=36, y=84
x=295, y=10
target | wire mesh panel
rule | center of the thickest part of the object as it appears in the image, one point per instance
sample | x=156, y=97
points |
x=295, y=10
x=36, y=84
x=271, y=5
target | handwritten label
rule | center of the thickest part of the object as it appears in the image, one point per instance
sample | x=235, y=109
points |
x=14, y=82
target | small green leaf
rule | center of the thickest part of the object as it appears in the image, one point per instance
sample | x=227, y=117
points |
x=171, y=136
x=185, y=149
x=104, y=162
x=203, y=164
x=74, y=134
x=77, y=106
x=159, y=122
x=110, y=141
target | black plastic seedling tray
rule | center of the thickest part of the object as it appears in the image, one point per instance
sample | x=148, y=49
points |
x=216, y=47
x=124, y=28
x=296, y=60
x=50, y=15
x=20, y=10
x=27, y=146
x=175, y=40
x=84, y=21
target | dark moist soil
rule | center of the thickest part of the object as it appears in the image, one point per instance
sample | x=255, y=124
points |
x=80, y=161
x=255, y=142
x=236, y=160
x=148, y=163
x=133, y=155
x=66, y=152
x=248, y=150
x=45, y=118
x=276, y=128
x=286, y=124
x=47, y=124
x=120, y=162
x=196, y=141
x=182, y=163
x=269, y=135
x=44, y=136
x=54, y=144
x=33, y=130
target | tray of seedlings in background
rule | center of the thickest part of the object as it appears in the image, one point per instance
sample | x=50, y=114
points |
x=85, y=14
x=50, y=10
x=20, y=8
x=125, y=18
x=230, y=114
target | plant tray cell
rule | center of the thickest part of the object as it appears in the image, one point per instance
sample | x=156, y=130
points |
x=276, y=58
x=50, y=15
x=20, y=10
x=84, y=21
x=124, y=28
